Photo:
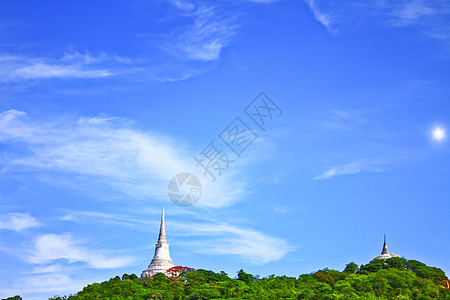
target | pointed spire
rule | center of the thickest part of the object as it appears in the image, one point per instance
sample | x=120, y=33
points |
x=385, y=248
x=162, y=230
x=161, y=261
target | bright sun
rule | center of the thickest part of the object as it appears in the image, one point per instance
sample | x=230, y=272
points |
x=438, y=134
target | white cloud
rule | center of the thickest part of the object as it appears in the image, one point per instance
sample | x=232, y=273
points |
x=18, y=68
x=52, y=247
x=429, y=17
x=84, y=58
x=55, y=268
x=343, y=120
x=110, y=218
x=222, y=238
x=183, y=5
x=107, y=150
x=205, y=38
x=40, y=70
x=179, y=71
x=57, y=263
x=248, y=244
x=18, y=221
x=99, y=146
x=263, y=1
x=320, y=16
x=355, y=167
x=53, y=282
x=411, y=12
x=42, y=286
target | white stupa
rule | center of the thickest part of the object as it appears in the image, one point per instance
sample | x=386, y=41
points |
x=161, y=261
x=385, y=252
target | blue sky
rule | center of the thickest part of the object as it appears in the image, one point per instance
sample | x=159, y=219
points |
x=102, y=104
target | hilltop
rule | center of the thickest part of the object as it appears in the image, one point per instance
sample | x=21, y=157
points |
x=394, y=278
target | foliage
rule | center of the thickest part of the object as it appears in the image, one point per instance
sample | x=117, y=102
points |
x=395, y=278
x=351, y=268
x=422, y=270
x=245, y=277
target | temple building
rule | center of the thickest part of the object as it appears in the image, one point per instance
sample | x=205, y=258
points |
x=385, y=252
x=161, y=261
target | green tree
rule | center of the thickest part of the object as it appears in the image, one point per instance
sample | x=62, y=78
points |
x=378, y=280
x=380, y=285
x=422, y=270
x=245, y=277
x=351, y=268
x=396, y=262
x=373, y=266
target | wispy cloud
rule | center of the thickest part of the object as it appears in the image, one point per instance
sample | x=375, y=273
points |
x=86, y=58
x=109, y=151
x=411, y=12
x=429, y=17
x=190, y=48
x=205, y=38
x=56, y=262
x=358, y=166
x=41, y=70
x=263, y=1
x=17, y=68
x=41, y=286
x=183, y=5
x=49, y=248
x=18, y=221
x=196, y=45
x=343, y=119
x=103, y=147
x=245, y=243
x=49, y=283
x=321, y=17
x=108, y=218
x=223, y=239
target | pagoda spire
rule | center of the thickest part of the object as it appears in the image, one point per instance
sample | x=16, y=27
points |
x=385, y=252
x=161, y=261
x=162, y=230
x=385, y=248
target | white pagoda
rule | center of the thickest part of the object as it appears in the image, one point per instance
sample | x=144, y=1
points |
x=385, y=252
x=161, y=261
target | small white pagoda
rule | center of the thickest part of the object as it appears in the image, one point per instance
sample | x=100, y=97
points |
x=385, y=252
x=161, y=261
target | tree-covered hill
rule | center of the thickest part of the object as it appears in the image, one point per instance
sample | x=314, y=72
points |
x=395, y=278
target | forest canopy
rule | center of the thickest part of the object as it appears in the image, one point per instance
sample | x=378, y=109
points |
x=394, y=278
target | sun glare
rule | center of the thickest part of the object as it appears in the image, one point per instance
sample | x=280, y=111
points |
x=438, y=134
